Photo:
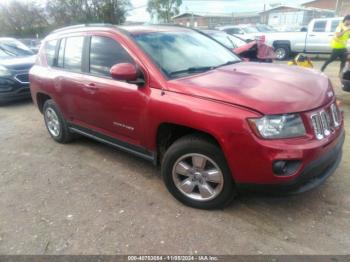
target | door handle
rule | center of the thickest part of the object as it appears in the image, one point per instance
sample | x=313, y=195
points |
x=91, y=86
x=312, y=35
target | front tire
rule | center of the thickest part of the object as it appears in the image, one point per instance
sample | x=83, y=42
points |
x=55, y=123
x=195, y=172
x=282, y=52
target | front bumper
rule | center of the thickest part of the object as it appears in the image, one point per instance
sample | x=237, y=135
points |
x=12, y=89
x=312, y=175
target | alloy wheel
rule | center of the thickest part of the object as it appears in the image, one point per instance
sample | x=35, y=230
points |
x=52, y=122
x=280, y=53
x=198, y=177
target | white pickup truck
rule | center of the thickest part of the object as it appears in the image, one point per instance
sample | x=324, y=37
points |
x=316, y=40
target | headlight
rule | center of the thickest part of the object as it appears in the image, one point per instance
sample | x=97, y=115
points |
x=279, y=126
x=4, y=71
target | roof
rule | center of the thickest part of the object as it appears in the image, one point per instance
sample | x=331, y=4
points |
x=185, y=15
x=284, y=6
x=312, y=1
x=210, y=14
x=132, y=29
x=137, y=29
x=297, y=8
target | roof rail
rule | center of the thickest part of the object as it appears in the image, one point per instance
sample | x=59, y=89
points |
x=82, y=26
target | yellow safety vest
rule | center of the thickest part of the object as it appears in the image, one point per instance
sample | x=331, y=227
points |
x=340, y=42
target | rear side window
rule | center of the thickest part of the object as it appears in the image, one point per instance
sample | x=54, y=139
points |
x=50, y=50
x=104, y=53
x=334, y=25
x=60, y=58
x=73, y=53
x=320, y=26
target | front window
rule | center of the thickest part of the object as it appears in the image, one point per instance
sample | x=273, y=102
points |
x=13, y=47
x=105, y=53
x=320, y=26
x=184, y=52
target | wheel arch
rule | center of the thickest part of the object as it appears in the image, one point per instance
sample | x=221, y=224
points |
x=41, y=98
x=168, y=133
x=277, y=43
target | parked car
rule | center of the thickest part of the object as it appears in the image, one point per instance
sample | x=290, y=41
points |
x=316, y=40
x=177, y=98
x=252, y=51
x=265, y=28
x=246, y=32
x=32, y=44
x=15, y=61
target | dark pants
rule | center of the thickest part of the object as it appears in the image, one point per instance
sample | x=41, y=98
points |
x=342, y=54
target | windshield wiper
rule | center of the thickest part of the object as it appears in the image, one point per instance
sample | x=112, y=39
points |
x=190, y=70
x=229, y=63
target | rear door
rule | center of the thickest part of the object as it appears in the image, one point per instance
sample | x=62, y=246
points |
x=69, y=81
x=319, y=36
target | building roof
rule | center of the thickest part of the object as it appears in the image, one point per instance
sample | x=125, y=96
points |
x=300, y=8
x=210, y=14
x=312, y=1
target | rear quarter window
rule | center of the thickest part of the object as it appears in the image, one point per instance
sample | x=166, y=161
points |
x=334, y=25
x=50, y=50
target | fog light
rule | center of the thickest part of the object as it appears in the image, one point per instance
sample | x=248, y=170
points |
x=285, y=167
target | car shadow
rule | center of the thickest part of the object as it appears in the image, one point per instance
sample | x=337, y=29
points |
x=24, y=101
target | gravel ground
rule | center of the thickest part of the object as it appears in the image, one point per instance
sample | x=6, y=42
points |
x=86, y=198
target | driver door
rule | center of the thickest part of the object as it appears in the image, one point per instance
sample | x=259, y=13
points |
x=116, y=108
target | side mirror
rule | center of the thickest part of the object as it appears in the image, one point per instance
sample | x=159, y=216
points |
x=126, y=72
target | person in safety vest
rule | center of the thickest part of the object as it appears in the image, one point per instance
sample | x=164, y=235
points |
x=339, y=43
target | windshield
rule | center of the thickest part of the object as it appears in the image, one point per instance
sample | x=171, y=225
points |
x=13, y=47
x=236, y=41
x=184, y=51
x=250, y=29
x=3, y=54
x=227, y=40
x=265, y=28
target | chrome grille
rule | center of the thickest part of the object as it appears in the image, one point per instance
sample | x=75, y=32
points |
x=325, y=121
x=335, y=115
x=22, y=78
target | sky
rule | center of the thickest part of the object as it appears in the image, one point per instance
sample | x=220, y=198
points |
x=139, y=13
x=204, y=6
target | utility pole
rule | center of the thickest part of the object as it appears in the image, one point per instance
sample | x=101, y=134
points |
x=192, y=20
x=338, y=7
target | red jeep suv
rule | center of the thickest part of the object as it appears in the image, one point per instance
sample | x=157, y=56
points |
x=175, y=97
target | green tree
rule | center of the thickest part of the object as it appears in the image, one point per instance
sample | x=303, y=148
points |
x=22, y=19
x=164, y=10
x=68, y=12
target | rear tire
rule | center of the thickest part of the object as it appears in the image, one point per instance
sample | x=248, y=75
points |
x=195, y=172
x=55, y=123
x=282, y=52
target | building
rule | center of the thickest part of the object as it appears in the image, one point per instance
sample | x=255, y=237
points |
x=342, y=7
x=211, y=20
x=285, y=15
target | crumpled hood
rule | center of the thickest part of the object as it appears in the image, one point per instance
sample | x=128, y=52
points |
x=267, y=88
x=19, y=63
